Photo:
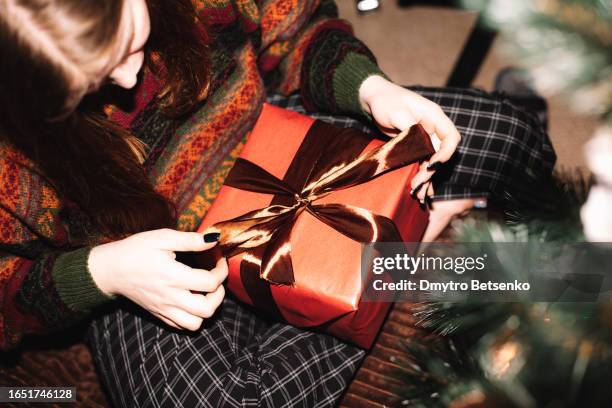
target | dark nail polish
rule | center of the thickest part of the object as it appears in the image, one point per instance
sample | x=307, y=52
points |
x=415, y=190
x=211, y=237
x=434, y=166
x=429, y=202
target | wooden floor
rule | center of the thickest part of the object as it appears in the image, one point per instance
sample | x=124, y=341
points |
x=377, y=379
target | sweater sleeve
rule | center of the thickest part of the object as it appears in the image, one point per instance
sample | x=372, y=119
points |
x=44, y=284
x=306, y=47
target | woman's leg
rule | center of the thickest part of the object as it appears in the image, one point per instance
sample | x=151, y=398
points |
x=235, y=360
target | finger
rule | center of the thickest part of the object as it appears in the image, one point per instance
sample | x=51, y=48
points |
x=166, y=321
x=430, y=190
x=216, y=298
x=423, y=192
x=172, y=240
x=449, y=137
x=199, y=305
x=417, y=183
x=196, y=304
x=221, y=268
x=184, y=319
x=421, y=177
x=198, y=280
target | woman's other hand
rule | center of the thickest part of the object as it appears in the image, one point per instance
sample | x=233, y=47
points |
x=395, y=109
x=143, y=268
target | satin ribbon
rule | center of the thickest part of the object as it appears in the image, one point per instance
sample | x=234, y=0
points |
x=263, y=235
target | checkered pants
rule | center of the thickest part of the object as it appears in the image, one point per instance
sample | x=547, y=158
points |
x=503, y=149
x=237, y=359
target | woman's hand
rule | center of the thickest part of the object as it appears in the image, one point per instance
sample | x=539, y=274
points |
x=143, y=268
x=395, y=109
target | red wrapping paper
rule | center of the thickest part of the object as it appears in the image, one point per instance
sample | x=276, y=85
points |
x=326, y=264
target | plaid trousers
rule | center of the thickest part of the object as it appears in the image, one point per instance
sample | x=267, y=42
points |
x=238, y=359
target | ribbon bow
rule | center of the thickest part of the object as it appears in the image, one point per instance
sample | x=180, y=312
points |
x=263, y=235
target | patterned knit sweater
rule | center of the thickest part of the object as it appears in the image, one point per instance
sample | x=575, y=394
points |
x=259, y=46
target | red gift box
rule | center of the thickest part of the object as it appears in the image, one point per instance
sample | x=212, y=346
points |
x=295, y=209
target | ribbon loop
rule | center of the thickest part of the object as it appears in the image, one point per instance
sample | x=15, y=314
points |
x=269, y=229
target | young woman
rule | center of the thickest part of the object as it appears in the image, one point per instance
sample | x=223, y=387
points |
x=119, y=121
